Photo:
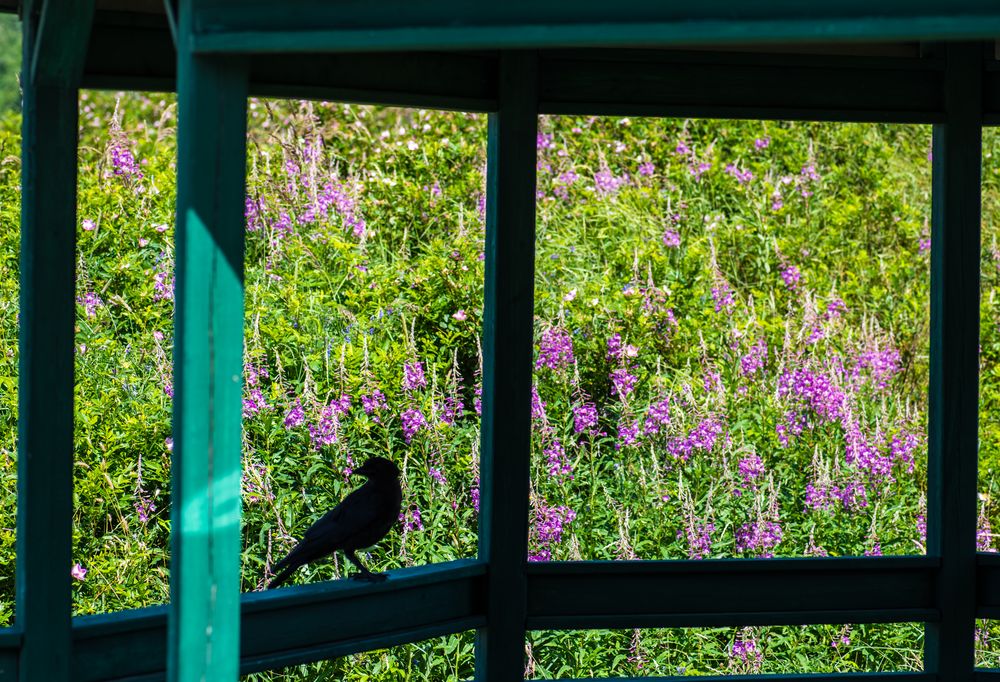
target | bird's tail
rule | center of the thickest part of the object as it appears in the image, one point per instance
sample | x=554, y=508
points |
x=281, y=577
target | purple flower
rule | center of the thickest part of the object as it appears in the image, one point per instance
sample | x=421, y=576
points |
x=762, y=143
x=91, y=302
x=556, y=461
x=451, y=409
x=755, y=358
x=791, y=276
x=252, y=209
x=751, y=468
x=255, y=402
x=584, y=417
x=144, y=508
x=712, y=381
x=835, y=308
x=759, y=537
x=806, y=176
x=555, y=350
x=295, y=416
x=698, y=169
x=647, y=168
x=411, y=519
x=984, y=534
x=474, y=494
x=671, y=238
x=793, y=425
x=374, y=403
x=567, y=178
x=436, y=474
x=88, y=225
x=623, y=382
x=658, y=415
x=882, y=365
x=701, y=437
x=699, y=538
x=745, y=652
x=163, y=286
x=815, y=390
x=413, y=420
x=723, y=297
x=123, y=162
x=537, y=405
x=742, y=176
x=325, y=430
x=78, y=572
x=607, y=182
x=282, y=227
x=628, y=433
x=413, y=376
x=548, y=528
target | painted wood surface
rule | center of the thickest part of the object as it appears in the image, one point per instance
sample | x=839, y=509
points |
x=507, y=364
x=317, y=25
x=204, y=623
x=44, y=544
x=954, y=365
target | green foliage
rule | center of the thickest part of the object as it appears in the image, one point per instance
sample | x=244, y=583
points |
x=10, y=62
x=364, y=247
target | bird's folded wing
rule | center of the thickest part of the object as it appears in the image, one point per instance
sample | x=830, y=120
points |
x=355, y=515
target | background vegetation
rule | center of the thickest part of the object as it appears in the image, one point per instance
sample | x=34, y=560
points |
x=731, y=356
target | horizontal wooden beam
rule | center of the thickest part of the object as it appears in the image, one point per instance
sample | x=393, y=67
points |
x=586, y=595
x=458, y=81
x=11, y=640
x=741, y=85
x=297, y=624
x=711, y=84
x=324, y=620
x=465, y=82
x=988, y=586
x=808, y=677
x=689, y=83
x=317, y=25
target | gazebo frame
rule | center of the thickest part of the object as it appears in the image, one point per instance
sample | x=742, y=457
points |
x=847, y=60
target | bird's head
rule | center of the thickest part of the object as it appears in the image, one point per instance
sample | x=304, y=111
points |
x=378, y=468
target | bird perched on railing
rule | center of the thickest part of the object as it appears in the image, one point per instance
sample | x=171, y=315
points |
x=359, y=521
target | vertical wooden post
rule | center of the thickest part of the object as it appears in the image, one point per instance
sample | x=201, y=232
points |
x=45, y=375
x=208, y=363
x=507, y=353
x=954, y=363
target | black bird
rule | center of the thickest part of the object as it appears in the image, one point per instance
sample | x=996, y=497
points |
x=359, y=521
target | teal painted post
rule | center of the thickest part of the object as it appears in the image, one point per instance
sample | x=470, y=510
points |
x=953, y=400
x=507, y=355
x=45, y=375
x=204, y=621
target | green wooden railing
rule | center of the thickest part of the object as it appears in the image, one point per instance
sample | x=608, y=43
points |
x=514, y=59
